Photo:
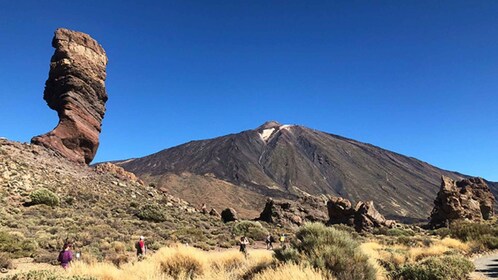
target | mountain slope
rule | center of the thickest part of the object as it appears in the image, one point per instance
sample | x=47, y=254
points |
x=96, y=208
x=287, y=161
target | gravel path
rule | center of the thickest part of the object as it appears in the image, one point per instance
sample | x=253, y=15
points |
x=488, y=266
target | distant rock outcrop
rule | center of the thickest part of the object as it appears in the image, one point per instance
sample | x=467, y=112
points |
x=289, y=213
x=468, y=199
x=76, y=90
x=229, y=215
x=117, y=171
x=364, y=216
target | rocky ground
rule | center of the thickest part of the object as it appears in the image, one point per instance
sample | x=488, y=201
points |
x=102, y=212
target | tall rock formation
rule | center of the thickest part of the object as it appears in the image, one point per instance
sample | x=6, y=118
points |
x=469, y=199
x=75, y=88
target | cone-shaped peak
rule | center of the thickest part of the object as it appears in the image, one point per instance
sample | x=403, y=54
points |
x=269, y=124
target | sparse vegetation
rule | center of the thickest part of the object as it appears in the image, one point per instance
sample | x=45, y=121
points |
x=331, y=251
x=436, y=268
x=151, y=213
x=252, y=230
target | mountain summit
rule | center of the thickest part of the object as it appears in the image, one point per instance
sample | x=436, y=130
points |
x=289, y=161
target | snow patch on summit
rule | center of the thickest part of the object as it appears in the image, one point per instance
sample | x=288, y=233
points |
x=265, y=134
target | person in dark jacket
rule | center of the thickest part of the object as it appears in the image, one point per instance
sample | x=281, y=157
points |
x=66, y=255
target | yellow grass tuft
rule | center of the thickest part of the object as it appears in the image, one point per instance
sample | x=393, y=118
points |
x=290, y=271
x=180, y=262
x=455, y=244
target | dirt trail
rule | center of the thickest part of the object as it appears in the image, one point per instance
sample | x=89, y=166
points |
x=487, y=266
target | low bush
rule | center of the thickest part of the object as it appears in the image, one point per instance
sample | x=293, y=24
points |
x=399, y=232
x=44, y=196
x=466, y=231
x=436, y=268
x=483, y=235
x=16, y=246
x=252, y=230
x=332, y=251
x=152, y=213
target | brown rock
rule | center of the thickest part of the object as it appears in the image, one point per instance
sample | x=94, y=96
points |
x=117, y=171
x=229, y=215
x=294, y=213
x=468, y=199
x=76, y=90
x=214, y=213
x=340, y=211
x=364, y=216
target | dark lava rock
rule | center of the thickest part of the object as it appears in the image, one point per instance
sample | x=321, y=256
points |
x=229, y=215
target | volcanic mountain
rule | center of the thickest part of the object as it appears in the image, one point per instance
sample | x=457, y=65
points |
x=288, y=161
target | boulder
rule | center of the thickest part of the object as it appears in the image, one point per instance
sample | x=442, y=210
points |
x=229, y=215
x=340, y=211
x=364, y=216
x=468, y=199
x=214, y=213
x=294, y=213
x=75, y=88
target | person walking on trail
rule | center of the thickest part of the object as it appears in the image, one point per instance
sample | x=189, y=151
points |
x=140, y=246
x=243, y=245
x=282, y=240
x=269, y=242
x=66, y=255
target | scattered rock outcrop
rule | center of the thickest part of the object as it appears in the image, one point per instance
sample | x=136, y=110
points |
x=364, y=216
x=294, y=213
x=75, y=89
x=229, y=215
x=214, y=213
x=117, y=171
x=468, y=199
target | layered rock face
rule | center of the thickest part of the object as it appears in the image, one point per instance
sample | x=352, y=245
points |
x=468, y=199
x=76, y=90
x=294, y=213
x=364, y=216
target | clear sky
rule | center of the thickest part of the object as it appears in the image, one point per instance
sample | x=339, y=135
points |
x=415, y=77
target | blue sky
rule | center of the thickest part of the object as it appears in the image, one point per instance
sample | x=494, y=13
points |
x=416, y=77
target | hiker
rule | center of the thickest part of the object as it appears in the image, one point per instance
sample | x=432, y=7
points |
x=282, y=240
x=65, y=256
x=140, y=246
x=269, y=242
x=243, y=245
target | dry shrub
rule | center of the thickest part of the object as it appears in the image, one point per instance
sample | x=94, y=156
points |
x=419, y=253
x=179, y=263
x=455, y=244
x=229, y=260
x=290, y=271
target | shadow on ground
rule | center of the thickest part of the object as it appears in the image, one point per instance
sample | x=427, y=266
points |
x=491, y=269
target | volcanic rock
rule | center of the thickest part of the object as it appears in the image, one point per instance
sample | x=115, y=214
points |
x=75, y=89
x=468, y=199
x=117, y=171
x=364, y=216
x=294, y=213
x=229, y=215
x=214, y=213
